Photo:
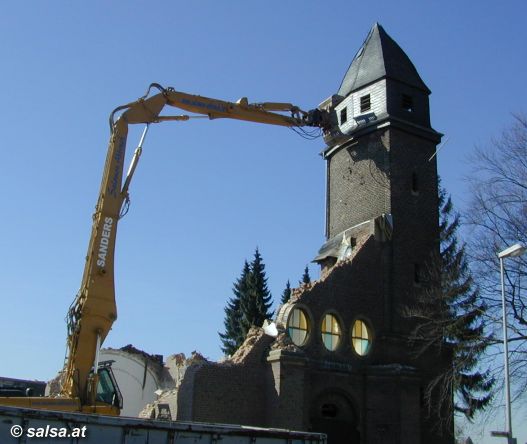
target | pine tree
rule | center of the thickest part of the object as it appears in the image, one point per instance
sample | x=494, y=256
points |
x=232, y=338
x=465, y=328
x=306, y=279
x=451, y=313
x=256, y=304
x=287, y=293
x=249, y=306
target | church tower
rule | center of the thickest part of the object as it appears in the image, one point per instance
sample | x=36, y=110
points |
x=381, y=166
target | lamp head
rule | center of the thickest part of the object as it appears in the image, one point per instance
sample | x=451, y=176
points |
x=514, y=251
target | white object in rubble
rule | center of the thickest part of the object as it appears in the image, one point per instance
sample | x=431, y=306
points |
x=270, y=329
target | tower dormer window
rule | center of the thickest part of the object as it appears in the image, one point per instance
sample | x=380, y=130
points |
x=365, y=103
x=343, y=115
x=407, y=103
x=359, y=53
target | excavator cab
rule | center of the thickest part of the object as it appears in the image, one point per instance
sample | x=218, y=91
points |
x=106, y=399
x=107, y=388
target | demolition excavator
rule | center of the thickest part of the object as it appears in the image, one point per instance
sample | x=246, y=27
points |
x=87, y=385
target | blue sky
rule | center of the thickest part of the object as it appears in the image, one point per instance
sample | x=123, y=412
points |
x=206, y=193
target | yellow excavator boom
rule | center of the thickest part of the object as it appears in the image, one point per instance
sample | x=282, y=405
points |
x=94, y=310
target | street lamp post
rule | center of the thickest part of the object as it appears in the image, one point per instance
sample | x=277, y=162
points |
x=515, y=250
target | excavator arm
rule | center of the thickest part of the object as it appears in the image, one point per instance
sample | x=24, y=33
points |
x=94, y=310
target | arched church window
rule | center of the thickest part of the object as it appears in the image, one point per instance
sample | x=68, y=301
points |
x=331, y=332
x=298, y=326
x=360, y=338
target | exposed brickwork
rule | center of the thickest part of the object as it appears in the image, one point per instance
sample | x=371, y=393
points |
x=358, y=185
x=415, y=215
x=235, y=387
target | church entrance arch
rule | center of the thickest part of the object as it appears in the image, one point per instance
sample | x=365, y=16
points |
x=333, y=413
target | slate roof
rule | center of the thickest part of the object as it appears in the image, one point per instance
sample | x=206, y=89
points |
x=379, y=57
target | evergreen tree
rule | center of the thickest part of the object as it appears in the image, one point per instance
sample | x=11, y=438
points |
x=256, y=304
x=306, y=279
x=232, y=337
x=249, y=306
x=287, y=293
x=465, y=327
x=451, y=313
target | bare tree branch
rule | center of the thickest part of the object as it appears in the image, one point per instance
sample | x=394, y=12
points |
x=498, y=218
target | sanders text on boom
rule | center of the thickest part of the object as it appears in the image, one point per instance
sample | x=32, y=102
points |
x=105, y=241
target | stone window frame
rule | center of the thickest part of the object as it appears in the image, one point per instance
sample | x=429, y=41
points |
x=309, y=320
x=341, y=324
x=371, y=332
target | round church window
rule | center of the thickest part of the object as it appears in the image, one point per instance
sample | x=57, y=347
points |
x=360, y=338
x=330, y=332
x=298, y=326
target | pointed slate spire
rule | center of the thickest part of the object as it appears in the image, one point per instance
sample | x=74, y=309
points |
x=380, y=57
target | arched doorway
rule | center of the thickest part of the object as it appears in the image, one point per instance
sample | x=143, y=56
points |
x=333, y=414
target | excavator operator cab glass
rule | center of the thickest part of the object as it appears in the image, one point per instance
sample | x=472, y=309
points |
x=107, y=389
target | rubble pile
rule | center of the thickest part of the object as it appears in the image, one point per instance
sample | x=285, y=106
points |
x=151, y=411
x=254, y=336
x=155, y=359
x=177, y=365
x=175, y=369
x=284, y=342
